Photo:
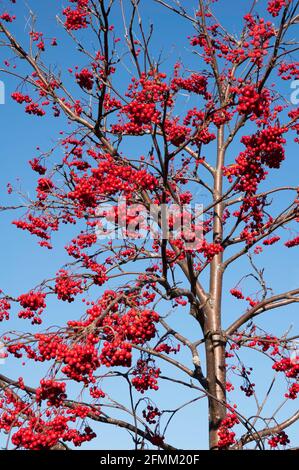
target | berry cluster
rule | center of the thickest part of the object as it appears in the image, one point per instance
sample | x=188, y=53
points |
x=293, y=391
x=293, y=242
x=145, y=376
x=274, y=6
x=237, y=293
x=67, y=286
x=4, y=309
x=251, y=101
x=146, y=94
x=85, y=79
x=79, y=358
x=116, y=353
x=280, y=439
x=7, y=17
x=194, y=84
x=36, y=166
x=289, y=366
x=226, y=436
x=32, y=300
x=77, y=18
x=34, y=304
x=151, y=414
x=53, y=392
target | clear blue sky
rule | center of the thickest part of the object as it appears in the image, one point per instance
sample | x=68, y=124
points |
x=24, y=264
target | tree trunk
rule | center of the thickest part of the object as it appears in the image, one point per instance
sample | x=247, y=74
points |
x=215, y=343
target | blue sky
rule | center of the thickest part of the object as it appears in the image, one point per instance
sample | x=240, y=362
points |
x=24, y=264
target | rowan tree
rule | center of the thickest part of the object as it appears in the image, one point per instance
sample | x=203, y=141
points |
x=126, y=136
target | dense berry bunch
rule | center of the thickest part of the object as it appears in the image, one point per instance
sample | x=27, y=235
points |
x=293, y=391
x=176, y=134
x=210, y=250
x=271, y=241
x=20, y=98
x=79, y=358
x=280, y=439
x=85, y=79
x=33, y=300
x=109, y=178
x=35, y=109
x=288, y=366
x=77, y=18
x=146, y=94
x=116, y=353
x=39, y=435
x=226, y=436
x=67, y=286
x=251, y=101
x=7, y=17
x=145, y=376
x=292, y=243
x=139, y=326
x=194, y=84
x=4, y=309
x=52, y=391
x=274, y=6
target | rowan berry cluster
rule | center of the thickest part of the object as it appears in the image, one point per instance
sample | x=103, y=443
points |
x=139, y=326
x=7, y=17
x=145, y=376
x=116, y=353
x=289, y=71
x=237, y=293
x=79, y=358
x=197, y=119
x=226, y=436
x=280, y=439
x=38, y=434
x=146, y=94
x=20, y=98
x=275, y=6
x=251, y=101
x=45, y=185
x=31, y=108
x=77, y=18
x=109, y=178
x=96, y=393
x=36, y=166
x=194, y=84
x=52, y=391
x=261, y=32
x=289, y=366
x=248, y=389
x=165, y=348
x=151, y=414
x=271, y=241
x=34, y=304
x=4, y=309
x=39, y=226
x=176, y=133
x=67, y=286
x=35, y=109
x=85, y=79
x=292, y=243
x=210, y=250
x=293, y=391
